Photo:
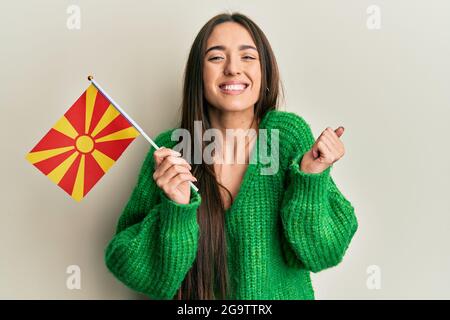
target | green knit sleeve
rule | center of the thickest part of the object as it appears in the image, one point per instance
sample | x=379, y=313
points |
x=156, y=240
x=318, y=221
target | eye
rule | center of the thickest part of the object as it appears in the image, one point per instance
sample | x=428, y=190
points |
x=214, y=58
x=248, y=58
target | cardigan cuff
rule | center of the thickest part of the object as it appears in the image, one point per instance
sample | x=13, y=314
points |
x=309, y=186
x=179, y=216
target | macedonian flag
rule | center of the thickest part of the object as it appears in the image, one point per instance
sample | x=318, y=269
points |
x=83, y=144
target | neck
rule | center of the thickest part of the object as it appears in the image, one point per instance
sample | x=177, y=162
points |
x=243, y=120
x=223, y=120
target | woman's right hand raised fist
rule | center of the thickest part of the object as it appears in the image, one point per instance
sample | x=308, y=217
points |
x=172, y=174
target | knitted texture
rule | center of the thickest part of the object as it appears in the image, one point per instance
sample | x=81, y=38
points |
x=279, y=228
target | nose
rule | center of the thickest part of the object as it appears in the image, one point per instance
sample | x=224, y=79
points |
x=232, y=67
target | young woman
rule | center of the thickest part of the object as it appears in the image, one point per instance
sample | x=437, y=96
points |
x=244, y=234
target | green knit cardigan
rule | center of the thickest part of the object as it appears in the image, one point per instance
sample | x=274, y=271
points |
x=279, y=228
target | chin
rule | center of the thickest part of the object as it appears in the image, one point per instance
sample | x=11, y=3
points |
x=235, y=105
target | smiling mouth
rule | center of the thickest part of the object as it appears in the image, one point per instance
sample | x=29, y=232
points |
x=233, y=88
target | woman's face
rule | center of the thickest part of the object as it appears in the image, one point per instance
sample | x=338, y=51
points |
x=232, y=69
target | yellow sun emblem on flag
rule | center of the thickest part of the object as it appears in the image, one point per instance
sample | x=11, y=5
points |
x=84, y=144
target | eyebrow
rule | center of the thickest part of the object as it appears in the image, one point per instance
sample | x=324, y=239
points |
x=222, y=48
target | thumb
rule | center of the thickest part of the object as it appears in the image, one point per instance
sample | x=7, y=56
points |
x=339, y=131
x=315, y=151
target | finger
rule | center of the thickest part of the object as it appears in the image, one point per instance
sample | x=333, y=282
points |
x=164, y=181
x=332, y=135
x=332, y=140
x=181, y=178
x=170, y=173
x=315, y=151
x=324, y=149
x=339, y=131
x=338, y=145
x=163, y=152
x=333, y=153
x=170, y=161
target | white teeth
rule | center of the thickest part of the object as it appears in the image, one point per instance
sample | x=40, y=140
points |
x=234, y=87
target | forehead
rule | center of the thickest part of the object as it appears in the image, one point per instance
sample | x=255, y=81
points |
x=230, y=35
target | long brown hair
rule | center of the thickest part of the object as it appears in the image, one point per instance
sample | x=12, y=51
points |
x=209, y=273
